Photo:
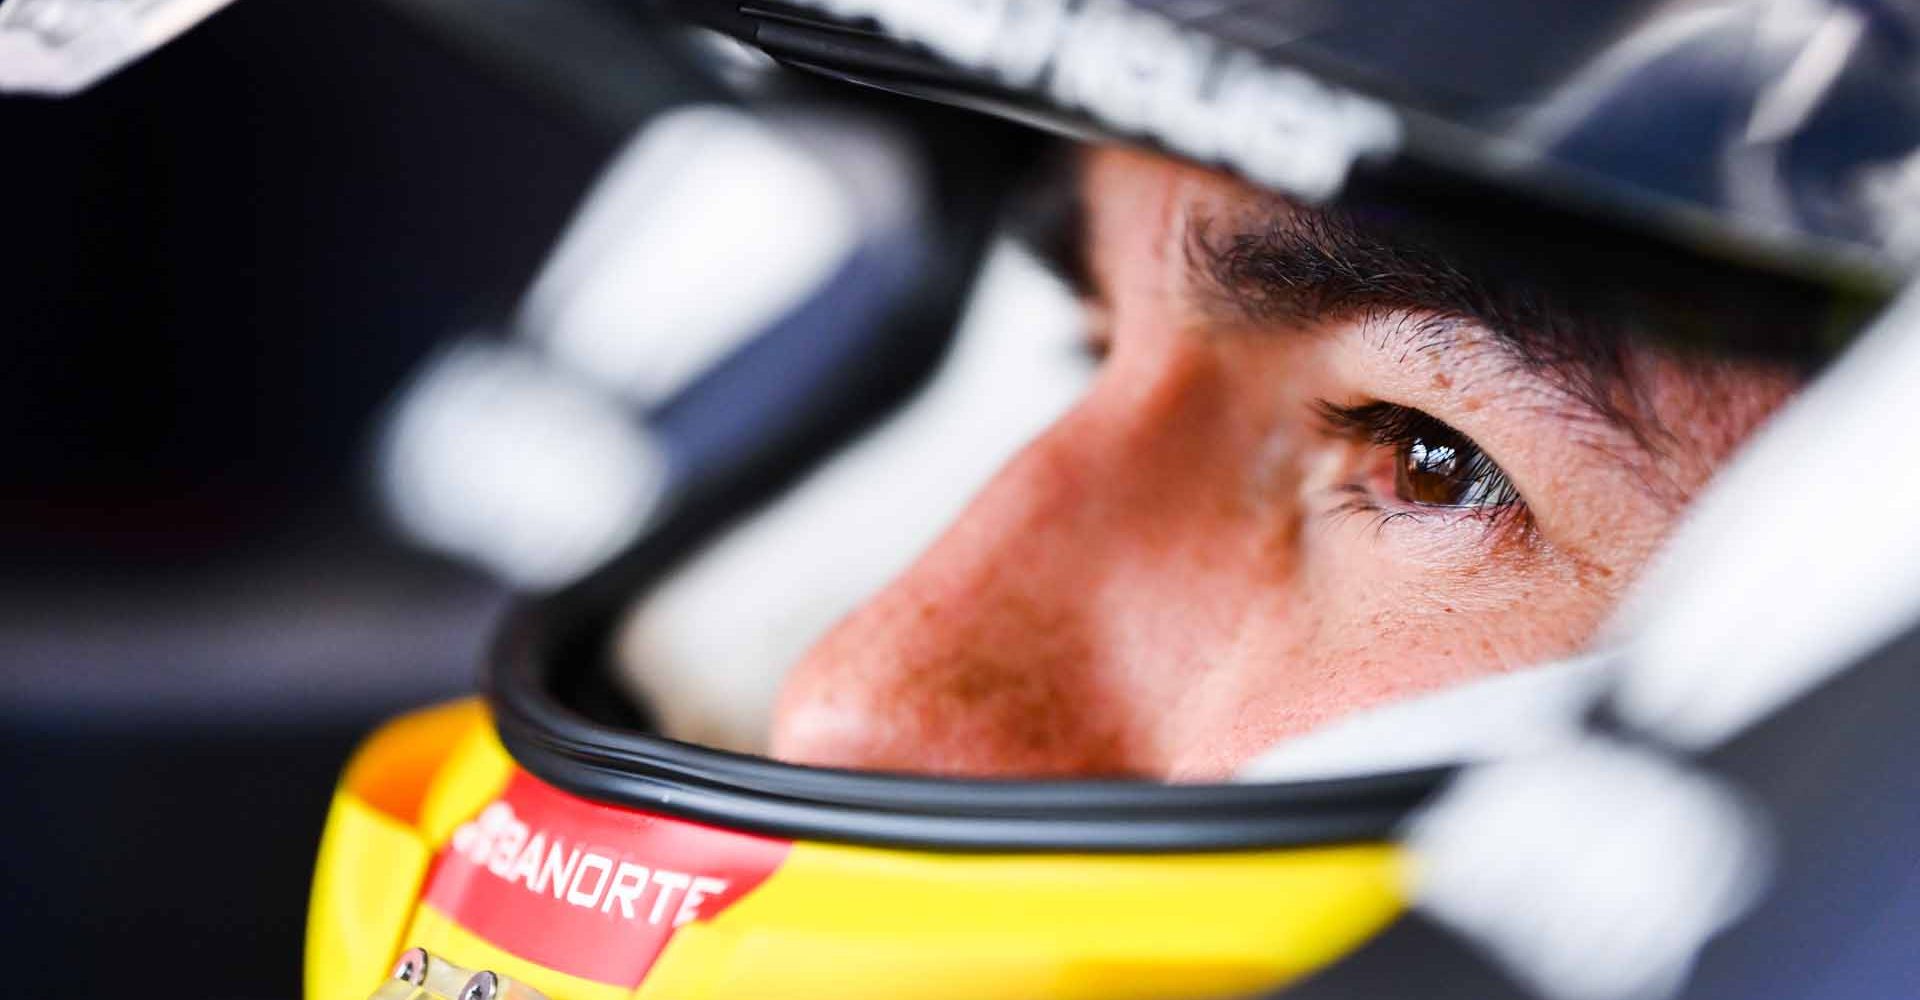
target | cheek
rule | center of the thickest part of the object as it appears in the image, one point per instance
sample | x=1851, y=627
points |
x=1619, y=511
x=1709, y=412
x=1371, y=632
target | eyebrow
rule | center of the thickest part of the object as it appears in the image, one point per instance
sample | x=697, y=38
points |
x=1281, y=263
x=1570, y=310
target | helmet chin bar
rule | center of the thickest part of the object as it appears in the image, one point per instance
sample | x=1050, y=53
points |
x=558, y=717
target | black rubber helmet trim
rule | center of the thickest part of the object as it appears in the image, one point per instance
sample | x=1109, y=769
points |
x=624, y=766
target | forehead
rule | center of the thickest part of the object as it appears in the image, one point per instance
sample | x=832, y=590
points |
x=1137, y=205
x=1140, y=213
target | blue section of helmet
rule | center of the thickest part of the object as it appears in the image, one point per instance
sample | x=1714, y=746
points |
x=800, y=365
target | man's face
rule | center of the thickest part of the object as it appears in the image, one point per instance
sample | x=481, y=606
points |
x=1315, y=473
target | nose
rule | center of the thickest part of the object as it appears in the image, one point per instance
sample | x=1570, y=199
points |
x=1014, y=645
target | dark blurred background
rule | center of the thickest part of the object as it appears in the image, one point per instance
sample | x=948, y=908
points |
x=213, y=270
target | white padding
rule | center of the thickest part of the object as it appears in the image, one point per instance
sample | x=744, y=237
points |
x=1593, y=872
x=706, y=229
x=1483, y=720
x=496, y=456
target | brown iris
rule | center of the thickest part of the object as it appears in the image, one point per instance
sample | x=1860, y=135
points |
x=1433, y=464
x=1441, y=468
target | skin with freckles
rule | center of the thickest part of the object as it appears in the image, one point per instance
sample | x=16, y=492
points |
x=1197, y=561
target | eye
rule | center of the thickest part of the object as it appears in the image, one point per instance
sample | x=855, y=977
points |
x=1440, y=467
x=1433, y=464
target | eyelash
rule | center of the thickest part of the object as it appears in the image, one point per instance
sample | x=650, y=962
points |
x=1398, y=428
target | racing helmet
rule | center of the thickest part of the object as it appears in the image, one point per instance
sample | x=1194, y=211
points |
x=1712, y=787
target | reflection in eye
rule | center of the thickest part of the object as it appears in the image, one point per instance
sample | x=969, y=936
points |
x=1444, y=469
x=1434, y=465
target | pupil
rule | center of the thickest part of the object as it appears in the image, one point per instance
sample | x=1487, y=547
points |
x=1431, y=474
